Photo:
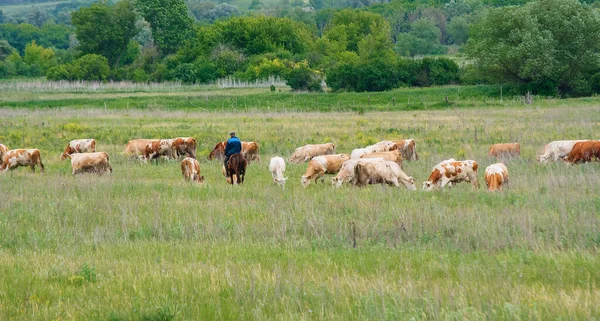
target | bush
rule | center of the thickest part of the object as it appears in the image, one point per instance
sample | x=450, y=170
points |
x=436, y=72
x=301, y=77
x=90, y=67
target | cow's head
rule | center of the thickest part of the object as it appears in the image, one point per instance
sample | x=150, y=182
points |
x=200, y=179
x=410, y=184
x=280, y=181
x=428, y=186
x=541, y=159
x=305, y=181
x=64, y=156
x=390, y=146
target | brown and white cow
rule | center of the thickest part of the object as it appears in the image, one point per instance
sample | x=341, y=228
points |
x=505, y=150
x=158, y=148
x=136, y=147
x=346, y=173
x=384, y=172
x=277, y=169
x=383, y=146
x=408, y=148
x=558, y=149
x=496, y=177
x=451, y=172
x=393, y=156
x=584, y=152
x=97, y=162
x=185, y=146
x=307, y=152
x=190, y=169
x=250, y=150
x=79, y=146
x=3, y=150
x=22, y=157
x=321, y=165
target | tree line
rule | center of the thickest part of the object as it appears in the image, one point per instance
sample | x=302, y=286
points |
x=545, y=46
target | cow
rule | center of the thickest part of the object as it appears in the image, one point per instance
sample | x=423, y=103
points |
x=451, y=172
x=137, y=147
x=3, y=150
x=185, y=146
x=22, y=157
x=556, y=150
x=277, y=169
x=496, y=177
x=308, y=152
x=383, y=146
x=250, y=150
x=394, y=156
x=79, y=146
x=383, y=172
x=158, y=148
x=97, y=162
x=505, y=150
x=408, y=148
x=346, y=173
x=321, y=165
x=190, y=169
x=584, y=152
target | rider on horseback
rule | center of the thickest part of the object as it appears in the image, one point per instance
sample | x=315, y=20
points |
x=233, y=146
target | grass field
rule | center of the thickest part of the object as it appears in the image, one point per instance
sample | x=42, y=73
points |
x=142, y=244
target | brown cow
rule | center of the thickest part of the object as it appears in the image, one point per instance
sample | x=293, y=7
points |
x=450, y=172
x=190, y=168
x=3, y=150
x=22, y=157
x=505, y=150
x=158, y=148
x=321, y=165
x=382, y=172
x=79, y=146
x=584, y=152
x=90, y=163
x=393, y=156
x=137, y=147
x=408, y=148
x=496, y=177
x=185, y=146
x=250, y=150
x=307, y=152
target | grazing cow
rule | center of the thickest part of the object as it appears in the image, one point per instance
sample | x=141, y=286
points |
x=556, y=150
x=185, y=146
x=346, y=173
x=383, y=146
x=3, y=150
x=505, y=150
x=90, y=163
x=22, y=157
x=190, y=168
x=277, y=169
x=451, y=172
x=137, y=147
x=584, y=152
x=394, y=156
x=408, y=149
x=321, y=165
x=383, y=172
x=250, y=150
x=158, y=148
x=79, y=146
x=496, y=177
x=307, y=152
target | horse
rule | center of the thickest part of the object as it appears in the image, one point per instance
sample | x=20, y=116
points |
x=237, y=169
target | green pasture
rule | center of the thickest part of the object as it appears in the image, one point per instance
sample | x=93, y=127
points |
x=142, y=244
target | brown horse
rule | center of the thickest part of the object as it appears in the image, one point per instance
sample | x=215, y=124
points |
x=237, y=169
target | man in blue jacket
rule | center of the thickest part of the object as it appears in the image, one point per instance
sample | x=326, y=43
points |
x=233, y=146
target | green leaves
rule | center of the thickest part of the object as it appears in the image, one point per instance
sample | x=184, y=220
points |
x=171, y=25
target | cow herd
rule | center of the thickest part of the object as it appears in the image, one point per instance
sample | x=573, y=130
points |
x=380, y=163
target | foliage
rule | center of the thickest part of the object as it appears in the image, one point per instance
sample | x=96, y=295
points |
x=349, y=27
x=422, y=39
x=5, y=49
x=49, y=35
x=458, y=31
x=301, y=77
x=209, y=12
x=87, y=67
x=40, y=56
x=171, y=25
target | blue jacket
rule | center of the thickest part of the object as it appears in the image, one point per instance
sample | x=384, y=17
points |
x=234, y=146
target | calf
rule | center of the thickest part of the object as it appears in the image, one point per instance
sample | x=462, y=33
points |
x=79, y=146
x=90, y=163
x=393, y=156
x=556, y=150
x=450, y=172
x=321, y=165
x=22, y=157
x=505, y=150
x=158, y=148
x=584, y=152
x=496, y=177
x=277, y=169
x=346, y=173
x=384, y=172
x=190, y=168
x=307, y=152
x=408, y=148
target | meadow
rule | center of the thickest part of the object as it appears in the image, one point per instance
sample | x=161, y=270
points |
x=142, y=244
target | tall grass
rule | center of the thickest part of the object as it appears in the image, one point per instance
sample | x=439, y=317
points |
x=142, y=244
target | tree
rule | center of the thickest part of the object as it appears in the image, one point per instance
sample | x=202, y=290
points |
x=422, y=39
x=90, y=67
x=549, y=46
x=5, y=49
x=105, y=30
x=458, y=31
x=40, y=56
x=170, y=23
x=38, y=17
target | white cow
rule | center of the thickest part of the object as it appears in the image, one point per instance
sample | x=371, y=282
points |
x=556, y=150
x=277, y=169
